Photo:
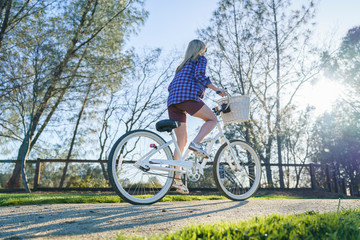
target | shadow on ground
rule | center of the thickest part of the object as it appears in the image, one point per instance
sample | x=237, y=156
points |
x=45, y=221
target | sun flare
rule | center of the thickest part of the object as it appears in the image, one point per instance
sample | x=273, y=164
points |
x=322, y=94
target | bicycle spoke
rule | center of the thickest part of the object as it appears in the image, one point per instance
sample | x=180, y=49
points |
x=137, y=184
x=237, y=183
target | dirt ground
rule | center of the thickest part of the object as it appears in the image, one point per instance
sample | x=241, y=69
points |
x=307, y=193
x=107, y=221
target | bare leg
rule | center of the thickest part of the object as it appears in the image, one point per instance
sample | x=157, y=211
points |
x=210, y=119
x=181, y=136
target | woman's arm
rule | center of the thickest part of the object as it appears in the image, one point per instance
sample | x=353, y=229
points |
x=222, y=91
x=200, y=72
x=200, y=76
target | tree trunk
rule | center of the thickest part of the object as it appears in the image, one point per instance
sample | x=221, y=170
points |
x=267, y=161
x=104, y=171
x=278, y=116
x=75, y=133
x=239, y=72
x=43, y=105
x=102, y=147
x=19, y=170
x=5, y=23
x=34, y=122
x=104, y=130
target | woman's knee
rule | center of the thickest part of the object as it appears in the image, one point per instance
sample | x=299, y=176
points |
x=206, y=114
x=210, y=117
x=213, y=117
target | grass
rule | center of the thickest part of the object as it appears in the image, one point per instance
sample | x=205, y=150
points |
x=35, y=198
x=15, y=199
x=310, y=225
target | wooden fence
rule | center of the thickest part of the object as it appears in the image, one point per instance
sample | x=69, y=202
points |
x=331, y=183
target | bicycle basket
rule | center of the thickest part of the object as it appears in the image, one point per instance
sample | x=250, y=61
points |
x=239, y=109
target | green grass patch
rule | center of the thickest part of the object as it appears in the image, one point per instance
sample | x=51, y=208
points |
x=35, y=198
x=310, y=225
x=13, y=199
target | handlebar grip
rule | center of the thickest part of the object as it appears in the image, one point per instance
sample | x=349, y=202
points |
x=226, y=92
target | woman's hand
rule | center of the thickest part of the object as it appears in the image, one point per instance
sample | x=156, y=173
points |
x=221, y=92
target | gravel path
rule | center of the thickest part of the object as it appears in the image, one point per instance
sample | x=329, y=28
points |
x=106, y=221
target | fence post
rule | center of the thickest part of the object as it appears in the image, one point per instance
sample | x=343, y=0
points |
x=328, y=178
x=343, y=184
x=37, y=173
x=336, y=182
x=312, y=176
x=351, y=187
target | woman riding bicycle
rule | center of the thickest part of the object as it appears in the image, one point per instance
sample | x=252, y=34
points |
x=141, y=164
x=185, y=93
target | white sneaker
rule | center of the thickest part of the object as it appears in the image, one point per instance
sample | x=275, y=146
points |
x=198, y=150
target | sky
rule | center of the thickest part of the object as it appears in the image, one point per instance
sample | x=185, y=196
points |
x=173, y=23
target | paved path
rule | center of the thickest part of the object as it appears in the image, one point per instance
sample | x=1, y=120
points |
x=106, y=221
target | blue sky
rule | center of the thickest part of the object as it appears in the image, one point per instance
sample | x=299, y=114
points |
x=173, y=23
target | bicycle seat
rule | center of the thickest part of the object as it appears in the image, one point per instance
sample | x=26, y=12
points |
x=167, y=125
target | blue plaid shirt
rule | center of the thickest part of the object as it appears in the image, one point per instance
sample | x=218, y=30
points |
x=189, y=83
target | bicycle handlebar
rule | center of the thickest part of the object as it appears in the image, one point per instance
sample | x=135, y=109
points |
x=216, y=110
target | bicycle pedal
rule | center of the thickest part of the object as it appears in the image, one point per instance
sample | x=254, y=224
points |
x=198, y=154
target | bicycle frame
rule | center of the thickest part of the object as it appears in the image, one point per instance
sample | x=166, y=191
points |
x=146, y=162
x=151, y=167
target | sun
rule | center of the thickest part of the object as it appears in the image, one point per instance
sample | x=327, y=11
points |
x=322, y=94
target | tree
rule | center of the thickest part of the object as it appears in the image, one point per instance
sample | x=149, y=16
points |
x=297, y=140
x=135, y=103
x=69, y=31
x=260, y=49
x=12, y=14
x=337, y=140
x=337, y=133
x=344, y=66
x=286, y=34
x=140, y=102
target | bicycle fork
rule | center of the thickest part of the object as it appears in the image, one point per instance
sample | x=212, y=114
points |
x=232, y=151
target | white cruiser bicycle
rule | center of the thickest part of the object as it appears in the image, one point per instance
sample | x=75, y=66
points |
x=141, y=165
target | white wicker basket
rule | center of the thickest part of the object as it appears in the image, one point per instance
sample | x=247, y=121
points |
x=239, y=109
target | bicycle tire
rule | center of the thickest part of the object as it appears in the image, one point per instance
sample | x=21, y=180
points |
x=242, y=183
x=135, y=185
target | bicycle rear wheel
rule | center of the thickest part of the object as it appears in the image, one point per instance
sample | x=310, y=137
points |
x=132, y=183
x=237, y=184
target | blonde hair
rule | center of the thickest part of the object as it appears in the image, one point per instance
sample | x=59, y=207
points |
x=193, y=51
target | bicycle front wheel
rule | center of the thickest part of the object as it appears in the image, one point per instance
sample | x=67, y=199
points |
x=237, y=181
x=135, y=184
